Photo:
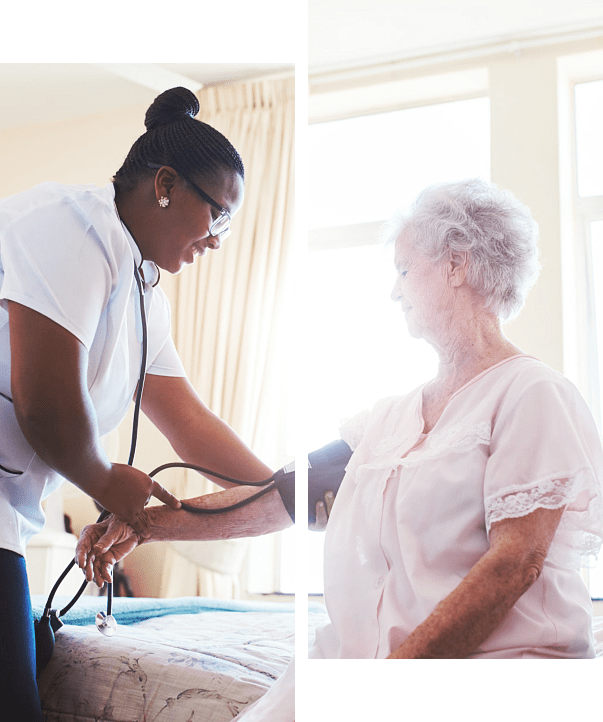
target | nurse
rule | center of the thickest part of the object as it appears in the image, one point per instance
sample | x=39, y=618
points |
x=71, y=343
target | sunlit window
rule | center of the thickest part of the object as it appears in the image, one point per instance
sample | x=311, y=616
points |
x=361, y=170
x=589, y=138
x=596, y=238
x=589, y=179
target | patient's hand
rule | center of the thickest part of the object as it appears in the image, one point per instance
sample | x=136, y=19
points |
x=102, y=545
x=323, y=512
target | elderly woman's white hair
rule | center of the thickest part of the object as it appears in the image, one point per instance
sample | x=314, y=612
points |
x=491, y=225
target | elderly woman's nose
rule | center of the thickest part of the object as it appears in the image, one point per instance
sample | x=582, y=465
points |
x=214, y=242
x=396, y=294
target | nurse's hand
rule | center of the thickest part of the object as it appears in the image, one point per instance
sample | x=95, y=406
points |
x=323, y=512
x=102, y=545
x=127, y=491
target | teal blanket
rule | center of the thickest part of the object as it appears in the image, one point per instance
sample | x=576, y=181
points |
x=129, y=610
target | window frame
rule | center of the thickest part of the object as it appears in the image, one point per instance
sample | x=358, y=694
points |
x=581, y=345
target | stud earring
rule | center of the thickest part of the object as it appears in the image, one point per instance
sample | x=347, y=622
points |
x=164, y=202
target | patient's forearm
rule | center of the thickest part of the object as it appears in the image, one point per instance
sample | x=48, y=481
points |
x=262, y=516
x=464, y=619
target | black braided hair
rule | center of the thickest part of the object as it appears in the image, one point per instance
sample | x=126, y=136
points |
x=175, y=138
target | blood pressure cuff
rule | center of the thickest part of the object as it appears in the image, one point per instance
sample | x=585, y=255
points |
x=284, y=480
x=326, y=469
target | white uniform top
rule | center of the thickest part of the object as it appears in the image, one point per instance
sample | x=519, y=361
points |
x=414, y=511
x=65, y=253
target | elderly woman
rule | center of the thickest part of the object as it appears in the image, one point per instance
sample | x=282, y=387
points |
x=468, y=503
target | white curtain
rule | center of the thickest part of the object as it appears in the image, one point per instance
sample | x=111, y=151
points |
x=230, y=313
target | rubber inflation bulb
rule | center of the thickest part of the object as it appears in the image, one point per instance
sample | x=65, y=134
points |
x=44, y=643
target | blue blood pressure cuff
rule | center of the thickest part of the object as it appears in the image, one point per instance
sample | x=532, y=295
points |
x=326, y=469
x=284, y=480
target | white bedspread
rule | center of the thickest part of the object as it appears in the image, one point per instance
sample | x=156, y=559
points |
x=203, y=667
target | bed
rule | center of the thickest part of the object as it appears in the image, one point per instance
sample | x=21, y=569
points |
x=172, y=660
x=190, y=659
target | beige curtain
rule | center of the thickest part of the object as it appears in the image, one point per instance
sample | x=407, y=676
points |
x=230, y=312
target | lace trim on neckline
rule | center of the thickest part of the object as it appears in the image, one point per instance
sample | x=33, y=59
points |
x=457, y=439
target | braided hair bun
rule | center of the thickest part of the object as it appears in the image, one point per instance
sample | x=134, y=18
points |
x=170, y=106
x=176, y=138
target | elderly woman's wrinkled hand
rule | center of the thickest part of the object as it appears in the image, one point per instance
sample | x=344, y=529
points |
x=102, y=545
x=323, y=512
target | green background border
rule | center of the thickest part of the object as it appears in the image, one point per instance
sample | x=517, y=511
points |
x=267, y=31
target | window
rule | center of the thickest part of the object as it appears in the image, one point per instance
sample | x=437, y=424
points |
x=588, y=104
x=589, y=140
x=361, y=170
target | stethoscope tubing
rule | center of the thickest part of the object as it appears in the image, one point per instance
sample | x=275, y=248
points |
x=266, y=483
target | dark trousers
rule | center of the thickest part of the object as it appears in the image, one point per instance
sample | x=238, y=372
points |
x=18, y=687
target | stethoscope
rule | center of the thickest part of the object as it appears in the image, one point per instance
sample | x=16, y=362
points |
x=50, y=621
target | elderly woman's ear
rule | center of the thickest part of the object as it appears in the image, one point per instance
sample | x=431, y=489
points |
x=457, y=267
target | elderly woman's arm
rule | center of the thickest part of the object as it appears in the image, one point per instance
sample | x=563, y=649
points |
x=102, y=545
x=199, y=437
x=323, y=512
x=477, y=607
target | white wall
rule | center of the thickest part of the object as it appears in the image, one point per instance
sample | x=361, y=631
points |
x=525, y=159
x=82, y=150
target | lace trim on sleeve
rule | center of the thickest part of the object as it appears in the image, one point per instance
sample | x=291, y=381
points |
x=579, y=535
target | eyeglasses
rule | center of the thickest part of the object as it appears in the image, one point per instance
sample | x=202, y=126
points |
x=220, y=226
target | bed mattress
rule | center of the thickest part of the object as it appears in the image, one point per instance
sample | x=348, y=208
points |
x=204, y=666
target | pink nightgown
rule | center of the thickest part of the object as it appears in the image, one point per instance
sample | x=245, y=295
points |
x=414, y=511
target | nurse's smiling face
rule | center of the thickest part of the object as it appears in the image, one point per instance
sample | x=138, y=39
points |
x=182, y=230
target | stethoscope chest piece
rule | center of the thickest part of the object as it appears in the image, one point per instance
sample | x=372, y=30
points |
x=106, y=624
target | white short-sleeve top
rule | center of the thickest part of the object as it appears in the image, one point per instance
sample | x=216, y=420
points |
x=414, y=511
x=65, y=253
